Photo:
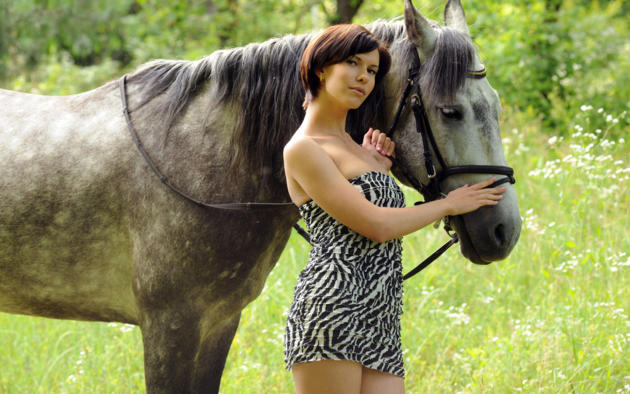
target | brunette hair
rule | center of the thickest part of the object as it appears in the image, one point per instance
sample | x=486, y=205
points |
x=334, y=45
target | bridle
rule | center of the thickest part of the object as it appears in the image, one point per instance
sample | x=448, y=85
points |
x=430, y=191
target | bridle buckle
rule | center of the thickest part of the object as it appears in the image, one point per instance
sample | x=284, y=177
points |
x=415, y=99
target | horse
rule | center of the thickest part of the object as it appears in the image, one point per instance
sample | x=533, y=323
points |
x=89, y=232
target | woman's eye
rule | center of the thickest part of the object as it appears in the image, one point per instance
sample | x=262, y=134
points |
x=350, y=61
x=373, y=72
x=451, y=113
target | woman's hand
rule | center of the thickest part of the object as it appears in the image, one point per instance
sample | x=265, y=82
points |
x=380, y=146
x=469, y=198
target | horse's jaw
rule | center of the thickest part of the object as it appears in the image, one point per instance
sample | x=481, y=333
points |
x=487, y=234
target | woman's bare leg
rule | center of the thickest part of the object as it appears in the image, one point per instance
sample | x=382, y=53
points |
x=327, y=377
x=377, y=382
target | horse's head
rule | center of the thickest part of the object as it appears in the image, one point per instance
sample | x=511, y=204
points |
x=463, y=111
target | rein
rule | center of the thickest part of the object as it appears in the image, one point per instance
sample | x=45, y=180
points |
x=432, y=190
x=238, y=206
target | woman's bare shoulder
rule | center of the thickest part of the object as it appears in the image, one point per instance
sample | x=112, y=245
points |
x=303, y=147
x=299, y=141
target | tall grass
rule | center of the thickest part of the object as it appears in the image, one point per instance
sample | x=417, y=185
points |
x=553, y=317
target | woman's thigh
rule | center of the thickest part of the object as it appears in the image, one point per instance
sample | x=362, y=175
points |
x=377, y=382
x=327, y=376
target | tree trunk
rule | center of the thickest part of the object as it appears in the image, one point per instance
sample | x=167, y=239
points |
x=346, y=10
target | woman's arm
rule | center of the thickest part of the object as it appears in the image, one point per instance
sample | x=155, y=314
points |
x=316, y=173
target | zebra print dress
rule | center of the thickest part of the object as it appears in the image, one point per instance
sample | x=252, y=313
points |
x=348, y=299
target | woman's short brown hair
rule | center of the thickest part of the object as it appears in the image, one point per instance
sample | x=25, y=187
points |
x=334, y=45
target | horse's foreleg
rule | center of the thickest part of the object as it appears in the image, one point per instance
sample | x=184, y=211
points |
x=181, y=356
x=171, y=340
x=212, y=354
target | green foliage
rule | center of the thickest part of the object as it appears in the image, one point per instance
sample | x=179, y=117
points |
x=550, y=62
x=546, y=57
x=90, y=31
x=130, y=32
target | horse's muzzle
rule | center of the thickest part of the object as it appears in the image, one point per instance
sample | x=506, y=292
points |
x=487, y=234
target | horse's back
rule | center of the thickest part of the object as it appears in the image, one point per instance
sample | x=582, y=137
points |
x=64, y=244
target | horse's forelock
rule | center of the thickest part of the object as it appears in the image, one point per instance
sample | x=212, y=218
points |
x=446, y=69
x=388, y=32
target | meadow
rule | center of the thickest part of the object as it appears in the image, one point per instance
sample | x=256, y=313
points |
x=552, y=318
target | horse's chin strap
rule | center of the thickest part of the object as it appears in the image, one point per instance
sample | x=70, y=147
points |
x=432, y=190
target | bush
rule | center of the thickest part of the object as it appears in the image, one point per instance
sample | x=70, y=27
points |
x=552, y=62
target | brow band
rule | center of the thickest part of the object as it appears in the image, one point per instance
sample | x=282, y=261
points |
x=477, y=74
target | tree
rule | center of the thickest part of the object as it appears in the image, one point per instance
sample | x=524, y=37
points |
x=346, y=10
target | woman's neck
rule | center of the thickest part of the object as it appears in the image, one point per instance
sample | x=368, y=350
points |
x=326, y=117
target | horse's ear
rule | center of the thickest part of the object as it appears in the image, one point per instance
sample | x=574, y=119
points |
x=419, y=31
x=455, y=17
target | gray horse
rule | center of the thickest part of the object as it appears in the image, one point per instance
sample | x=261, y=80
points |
x=88, y=232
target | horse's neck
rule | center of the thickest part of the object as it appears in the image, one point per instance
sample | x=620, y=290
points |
x=217, y=109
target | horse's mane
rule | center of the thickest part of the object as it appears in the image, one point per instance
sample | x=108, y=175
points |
x=262, y=79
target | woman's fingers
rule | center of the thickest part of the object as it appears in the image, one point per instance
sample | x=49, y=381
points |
x=383, y=144
x=375, y=135
x=484, y=184
x=490, y=196
x=367, y=137
x=382, y=137
x=468, y=198
x=386, y=147
x=375, y=138
x=379, y=141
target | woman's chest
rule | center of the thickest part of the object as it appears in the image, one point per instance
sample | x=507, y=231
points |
x=353, y=160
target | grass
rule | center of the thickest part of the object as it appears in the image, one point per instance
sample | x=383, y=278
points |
x=553, y=317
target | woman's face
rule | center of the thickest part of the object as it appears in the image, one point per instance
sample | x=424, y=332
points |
x=350, y=82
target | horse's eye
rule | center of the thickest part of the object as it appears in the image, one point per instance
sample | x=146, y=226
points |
x=451, y=113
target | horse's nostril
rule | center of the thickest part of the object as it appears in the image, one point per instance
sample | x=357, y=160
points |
x=499, y=234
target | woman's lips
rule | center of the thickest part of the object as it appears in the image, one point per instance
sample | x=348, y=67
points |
x=358, y=91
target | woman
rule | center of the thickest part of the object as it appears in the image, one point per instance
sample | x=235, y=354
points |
x=343, y=328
